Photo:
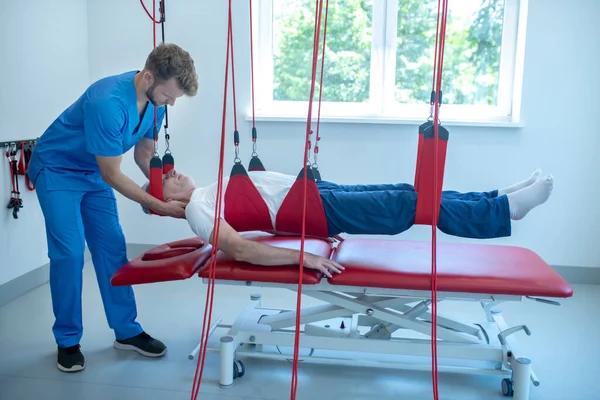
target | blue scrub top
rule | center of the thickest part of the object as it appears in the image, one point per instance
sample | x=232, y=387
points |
x=103, y=121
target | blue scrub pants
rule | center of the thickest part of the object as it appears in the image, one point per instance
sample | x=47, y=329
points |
x=389, y=209
x=72, y=218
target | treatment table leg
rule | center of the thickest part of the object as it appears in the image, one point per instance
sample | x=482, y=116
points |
x=521, y=373
x=227, y=360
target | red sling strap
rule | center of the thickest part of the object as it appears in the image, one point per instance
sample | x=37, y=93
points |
x=432, y=144
x=245, y=209
x=424, y=173
x=289, y=216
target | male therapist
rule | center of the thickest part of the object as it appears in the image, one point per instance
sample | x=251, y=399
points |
x=76, y=165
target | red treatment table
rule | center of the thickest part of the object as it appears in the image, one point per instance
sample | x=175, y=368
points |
x=378, y=311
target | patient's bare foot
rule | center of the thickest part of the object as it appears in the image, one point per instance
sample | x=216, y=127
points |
x=533, y=178
x=524, y=200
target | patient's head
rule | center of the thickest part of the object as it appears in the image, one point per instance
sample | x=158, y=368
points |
x=176, y=186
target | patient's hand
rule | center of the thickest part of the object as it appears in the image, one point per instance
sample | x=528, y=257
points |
x=325, y=265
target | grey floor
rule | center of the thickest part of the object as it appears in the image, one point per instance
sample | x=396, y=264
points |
x=564, y=349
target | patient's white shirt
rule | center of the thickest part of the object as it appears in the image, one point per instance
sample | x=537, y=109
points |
x=200, y=212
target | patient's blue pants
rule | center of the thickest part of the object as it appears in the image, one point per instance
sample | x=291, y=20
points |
x=389, y=209
x=72, y=218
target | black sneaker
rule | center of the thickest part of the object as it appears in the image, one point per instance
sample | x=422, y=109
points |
x=70, y=359
x=144, y=344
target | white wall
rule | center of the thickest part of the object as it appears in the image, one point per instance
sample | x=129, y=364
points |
x=44, y=66
x=560, y=78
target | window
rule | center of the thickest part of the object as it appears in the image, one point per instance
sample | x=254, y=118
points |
x=379, y=59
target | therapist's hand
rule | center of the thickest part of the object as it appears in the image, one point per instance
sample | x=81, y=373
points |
x=173, y=208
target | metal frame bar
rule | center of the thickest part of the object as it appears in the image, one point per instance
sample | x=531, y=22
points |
x=17, y=142
x=400, y=323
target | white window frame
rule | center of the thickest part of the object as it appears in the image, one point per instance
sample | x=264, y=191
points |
x=381, y=106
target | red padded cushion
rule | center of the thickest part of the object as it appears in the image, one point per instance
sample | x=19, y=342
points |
x=229, y=269
x=168, y=262
x=470, y=268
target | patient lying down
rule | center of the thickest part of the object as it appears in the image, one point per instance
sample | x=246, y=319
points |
x=381, y=209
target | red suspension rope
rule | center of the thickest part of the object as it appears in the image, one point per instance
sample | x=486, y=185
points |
x=438, y=69
x=316, y=39
x=154, y=43
x=217, y=225
x=235, y=125
x=154, y=23
x=153, y=16
x=318, y=12
x=252, y=69
x=316, y=149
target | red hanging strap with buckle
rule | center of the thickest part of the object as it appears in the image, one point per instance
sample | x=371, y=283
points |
x=302, y=209
x=433, y=137
x=245, y=209
x=25, y=156
x=255, y=163
x=168, y=161
x=15, y=203
x=315, y=165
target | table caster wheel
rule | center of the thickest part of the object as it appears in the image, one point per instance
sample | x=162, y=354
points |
x=238, y=369
x=507, y=387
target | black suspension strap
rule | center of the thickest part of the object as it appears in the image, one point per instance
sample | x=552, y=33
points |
x=255, y=162
x=168, y=161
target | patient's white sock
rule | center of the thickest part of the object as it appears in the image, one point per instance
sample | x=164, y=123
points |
x=523, y=184
x=524, y=200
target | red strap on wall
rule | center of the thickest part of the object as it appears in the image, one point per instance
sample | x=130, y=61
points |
x=24, y=158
